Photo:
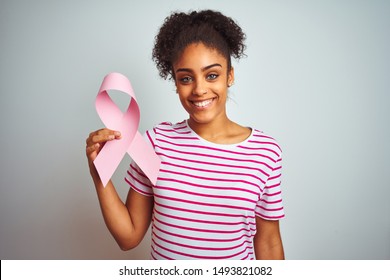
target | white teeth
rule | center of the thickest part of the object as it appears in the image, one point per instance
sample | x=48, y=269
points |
x=203, y=103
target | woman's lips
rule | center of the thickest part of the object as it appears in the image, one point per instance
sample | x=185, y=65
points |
x=203, y=103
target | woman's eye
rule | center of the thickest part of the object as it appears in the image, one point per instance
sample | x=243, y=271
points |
x=212, y=76
x=186, y=80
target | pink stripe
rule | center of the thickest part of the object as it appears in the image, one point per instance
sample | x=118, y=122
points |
x=247, y=256
x=203, y=212
x=275, y=177
x=137, y=189
x=161, y=255
x=213, y=179
x=137, y=180
x=202, y=194
x=272, y=194
x=166, y=124
x=184, y=126
x=211, y=171
x=150, y=139
x=261, y=135
x=201, y=203
x=169, y=124
x=203, y=221
x=204, y=230
x=271, y=202
x=201, y=248
x=175, y=129
x=270, y=209
x=219, y=157
x=202, y=239
x=265, y=142
x=214, y=149
x=137, y=171
x=215, y=164
x=270, y=217
x=262, y=149
x=201, y=257
x=208, y=187
x=172, y=130
x=272, y=186
x=176, y=137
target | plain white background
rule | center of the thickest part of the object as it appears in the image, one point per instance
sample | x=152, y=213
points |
x=316, y=78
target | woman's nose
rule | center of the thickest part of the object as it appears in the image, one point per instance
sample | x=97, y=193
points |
x=199, y=89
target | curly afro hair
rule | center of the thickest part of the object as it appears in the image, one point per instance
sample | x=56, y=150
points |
x=211, y=28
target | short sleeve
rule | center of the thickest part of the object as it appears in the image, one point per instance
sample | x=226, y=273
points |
x=270, y=205
x=135, y=178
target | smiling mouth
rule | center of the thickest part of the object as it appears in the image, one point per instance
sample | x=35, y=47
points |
x=203, y=103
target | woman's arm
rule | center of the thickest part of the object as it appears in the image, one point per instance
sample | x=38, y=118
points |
x=128, y=222
x=268, y=242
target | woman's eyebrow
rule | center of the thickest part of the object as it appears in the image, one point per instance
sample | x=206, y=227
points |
x=203, y=69
x=211, y=66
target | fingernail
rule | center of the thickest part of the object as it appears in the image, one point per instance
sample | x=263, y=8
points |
x=117, y=133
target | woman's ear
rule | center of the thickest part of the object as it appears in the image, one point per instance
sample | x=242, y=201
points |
x=230, y=80
x=177, y=91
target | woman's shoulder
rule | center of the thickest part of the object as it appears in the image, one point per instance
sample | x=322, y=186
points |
x=260, y=139
x=170, y=128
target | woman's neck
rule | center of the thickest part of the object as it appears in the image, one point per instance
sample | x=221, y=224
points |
x=223, y=131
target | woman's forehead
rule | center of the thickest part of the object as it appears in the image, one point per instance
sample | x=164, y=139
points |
x=200, y=55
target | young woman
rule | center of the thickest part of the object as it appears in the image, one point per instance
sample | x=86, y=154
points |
x=218, y=193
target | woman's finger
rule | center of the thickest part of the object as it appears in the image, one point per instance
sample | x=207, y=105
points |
x=102, y=136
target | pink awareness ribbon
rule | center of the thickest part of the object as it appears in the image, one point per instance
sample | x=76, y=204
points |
x=131, y=142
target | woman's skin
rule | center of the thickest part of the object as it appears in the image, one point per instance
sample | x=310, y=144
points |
x=202, y=80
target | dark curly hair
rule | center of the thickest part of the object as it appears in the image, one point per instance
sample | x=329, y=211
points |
x=211, y=28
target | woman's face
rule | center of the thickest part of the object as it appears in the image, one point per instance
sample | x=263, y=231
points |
x=202, y=79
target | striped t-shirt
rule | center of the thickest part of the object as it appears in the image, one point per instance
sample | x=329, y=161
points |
x=208, y=195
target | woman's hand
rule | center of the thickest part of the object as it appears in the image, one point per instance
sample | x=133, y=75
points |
x=128, y=222
x=95, y=143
